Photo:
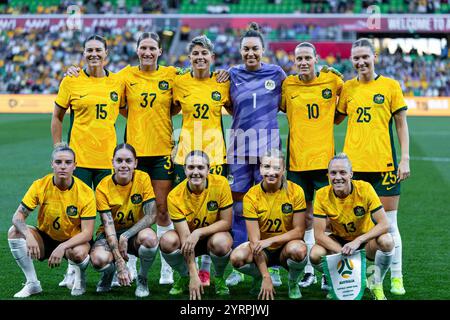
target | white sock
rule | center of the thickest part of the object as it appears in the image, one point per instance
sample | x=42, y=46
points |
x=80, y=268
x=20, y=253
x=396, y=267
x=160, y=230
x=70, y=269
x=220, y=263
x=250, y=269
x=176, y=260
x=296, y=268
x=132, y=260
x=383, y=261
x=147, y=256
x=310, y=241
x=206, y=263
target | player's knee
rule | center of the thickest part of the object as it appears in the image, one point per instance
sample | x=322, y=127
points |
x=385, y=242
x=148, y=238
x=220, y=245
x=316, y=254
x=76, y=254
x=169, y=242
x=98, y=261
x=298, y=252
x=13, y=233
x=237, y=258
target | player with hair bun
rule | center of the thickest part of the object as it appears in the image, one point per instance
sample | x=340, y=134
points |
x=255, y=92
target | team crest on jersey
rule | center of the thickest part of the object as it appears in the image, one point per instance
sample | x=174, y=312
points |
x=286, y=208
x=269, y=84
x=230, y=178
x=136, y=198
x=212, y=205
x=216, y=96
x=71, y=211
x=114, y=96
x=378, y=98
x=163, y=85
x=359, y=211
x=327, y=93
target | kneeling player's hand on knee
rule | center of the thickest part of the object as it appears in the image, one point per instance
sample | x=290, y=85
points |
x=56, y=257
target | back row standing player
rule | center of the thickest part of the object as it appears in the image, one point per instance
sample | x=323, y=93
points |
x=255, y=92
x=371, y=101
x=148, y=96
x=94, y=99
x=309, y=100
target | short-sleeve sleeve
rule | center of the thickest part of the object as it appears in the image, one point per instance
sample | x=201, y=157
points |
x=319, y=207
x=226, y=200
x=148, y=192
x=176, y=89
x=398, y=102
x=175, y=213
x=250, y=207
x=342, y=104
x=31, y=198
x=283, y=96
x=63, y=97
x=299, y=200
x=226, y=93
x=89, y=211
x=102, y=198
x=374, y=201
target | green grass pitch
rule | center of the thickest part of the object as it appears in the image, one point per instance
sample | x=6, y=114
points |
x=25, y=147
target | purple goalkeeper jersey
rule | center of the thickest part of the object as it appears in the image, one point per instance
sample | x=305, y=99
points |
x=256, y=96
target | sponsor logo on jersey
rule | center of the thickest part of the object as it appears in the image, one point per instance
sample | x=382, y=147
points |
x=163, y=85
x=71, y=211
x=327, y=93
x=114, y=96
x=136, y=198
x=378, y=98
x=216, y=96
x=359, y=211
x=286, y=208
x=269, y=84
x=212, y=205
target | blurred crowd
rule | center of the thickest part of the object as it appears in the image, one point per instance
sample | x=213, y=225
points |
x=164, y=6
x=35, y=61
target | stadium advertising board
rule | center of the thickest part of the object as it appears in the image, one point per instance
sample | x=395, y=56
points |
x=44, y=103
x=359, y=23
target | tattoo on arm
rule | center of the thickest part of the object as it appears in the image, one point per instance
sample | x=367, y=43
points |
x=110, y=233
x=147, y=220
x=18, y=221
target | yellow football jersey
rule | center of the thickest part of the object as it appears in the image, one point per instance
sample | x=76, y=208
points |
x=349, y=217
x=310, y=109
x=60, y=212
x=125, y=202
x=201, y=103
x=203, y=209
x=370, y=108
x=274, y=211
x=94, y=104
x=149, y=98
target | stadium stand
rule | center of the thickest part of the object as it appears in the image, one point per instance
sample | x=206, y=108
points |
x=227, y=6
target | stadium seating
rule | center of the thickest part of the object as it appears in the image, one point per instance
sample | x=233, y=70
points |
x=234, y=7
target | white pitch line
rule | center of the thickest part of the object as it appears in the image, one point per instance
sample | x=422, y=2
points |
x=432, y=159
